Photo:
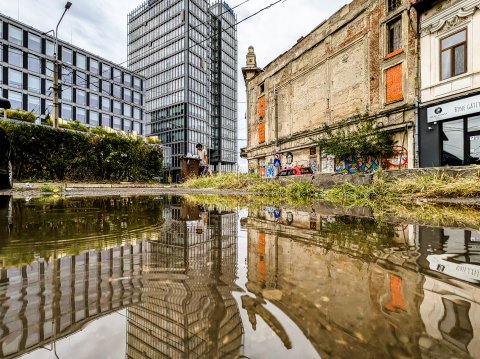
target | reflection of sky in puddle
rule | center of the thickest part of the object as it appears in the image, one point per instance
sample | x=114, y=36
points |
x=145, y=278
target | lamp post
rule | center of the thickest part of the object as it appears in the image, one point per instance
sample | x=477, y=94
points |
x=55, y=69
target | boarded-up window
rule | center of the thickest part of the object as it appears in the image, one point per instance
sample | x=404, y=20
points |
x=394, y=76
x=261, y=106
x=261, y=132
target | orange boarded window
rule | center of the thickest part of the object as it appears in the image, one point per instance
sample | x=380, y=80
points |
x=394, y=76
x=261, y=106
x=261, y=132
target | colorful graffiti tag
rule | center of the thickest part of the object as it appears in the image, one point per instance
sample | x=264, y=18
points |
x=357, y=164
x=270, y=171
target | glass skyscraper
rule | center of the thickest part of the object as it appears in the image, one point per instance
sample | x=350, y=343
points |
x=187, y=51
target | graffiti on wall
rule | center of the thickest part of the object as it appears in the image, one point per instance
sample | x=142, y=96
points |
x=399, y=159
x=313, y=165
x=357, y=164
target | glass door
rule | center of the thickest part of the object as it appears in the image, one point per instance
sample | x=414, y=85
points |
x=473, y=140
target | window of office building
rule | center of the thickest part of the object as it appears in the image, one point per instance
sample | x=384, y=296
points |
x=81, y=114
x=117, y=108
x=48, y=107
x=66, y=93
x=80, y=79
x=34, y=84
x=81, y=61
x=49, y=68
x=15, y=35
x=49, y=87
x=117, y=91
x=94, y=68
x=106, y=71
x=94, y=102
x=137, y=98
x=394, y=35
x=81, y=97
x=34, y=63
x=67, y=75
x=15, y=78
x=33, y=104
x=94, y=84
x=94, y=119
x=127, y=125
x=106, y=104
x=453, y=55
x=15, y=57
x=137, y=127
x=34, y=42
x=49, y=48
x=127, y=79
x=66, y=112
x=137, y=83
x=127, y=110
x=67, y=55
x=106, y=120
x=117, y=123
x=117, y=75
x=127, y=95
x=106, y=87
x=136, y=113
x=16, y=99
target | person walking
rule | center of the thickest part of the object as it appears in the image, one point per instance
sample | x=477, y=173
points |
x=202, y=154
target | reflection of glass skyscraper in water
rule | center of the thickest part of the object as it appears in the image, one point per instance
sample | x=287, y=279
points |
x=187, y=308
x=187, y=50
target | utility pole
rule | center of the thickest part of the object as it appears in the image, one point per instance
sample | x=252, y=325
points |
x=55, y=70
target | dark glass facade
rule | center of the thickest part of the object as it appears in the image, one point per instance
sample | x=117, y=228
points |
x=191, y=84
x=26, y=78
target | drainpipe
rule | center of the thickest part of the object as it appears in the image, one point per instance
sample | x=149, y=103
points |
x=276, y=116
x=416, y=33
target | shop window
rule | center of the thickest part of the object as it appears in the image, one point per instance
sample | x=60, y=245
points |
x=394, y=4
x=394, y=82
x=453, y=55
x=394, y=35
x=453, y=153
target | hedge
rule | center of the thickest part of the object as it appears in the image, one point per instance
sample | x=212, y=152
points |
x=44, y=153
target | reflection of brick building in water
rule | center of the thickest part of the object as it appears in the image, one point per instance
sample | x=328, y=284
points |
x=187, y=307
x=45, y=301
x=350, y=296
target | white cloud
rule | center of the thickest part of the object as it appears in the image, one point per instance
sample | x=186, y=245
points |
x=101, y=27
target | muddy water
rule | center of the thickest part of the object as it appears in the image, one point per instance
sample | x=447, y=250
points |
x=162, y=278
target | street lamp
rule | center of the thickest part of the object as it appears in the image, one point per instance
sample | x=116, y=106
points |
x=55, y=69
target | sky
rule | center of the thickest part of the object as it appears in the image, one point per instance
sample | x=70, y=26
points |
x=100, y=26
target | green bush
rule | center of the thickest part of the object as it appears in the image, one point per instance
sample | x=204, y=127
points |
x=20, y=115
x=45, y=153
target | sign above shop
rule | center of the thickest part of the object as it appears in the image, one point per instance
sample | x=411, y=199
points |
x=462, y=107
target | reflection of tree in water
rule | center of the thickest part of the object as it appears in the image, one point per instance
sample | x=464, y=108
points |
x=366, y=235
x=42, y=227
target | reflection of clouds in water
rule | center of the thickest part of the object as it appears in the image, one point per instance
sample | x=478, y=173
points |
x=103, y=338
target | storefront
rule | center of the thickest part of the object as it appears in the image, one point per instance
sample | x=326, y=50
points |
x=449, y=133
